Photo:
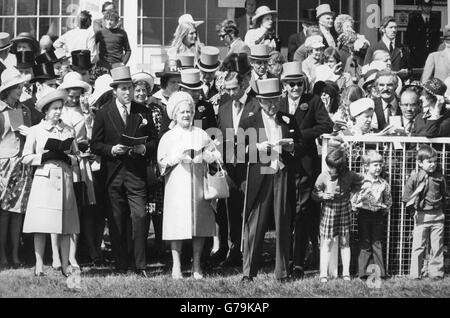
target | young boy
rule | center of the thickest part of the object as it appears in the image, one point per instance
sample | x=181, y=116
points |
x=426, y=192
x=372, y=203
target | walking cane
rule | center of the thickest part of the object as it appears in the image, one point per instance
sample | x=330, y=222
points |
x=245, y=204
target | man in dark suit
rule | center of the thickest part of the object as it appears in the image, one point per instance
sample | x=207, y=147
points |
x=387, y=105
x=231, y=113
x=296, y=40
x=423, y=34
x=313, y=121
x=325, y=17
x=244, y=17
x=125, y=169
x=271, y=138
x=388, y=29
x=204, y=116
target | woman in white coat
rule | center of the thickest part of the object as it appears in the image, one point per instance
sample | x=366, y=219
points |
x=183, y=153
x=52, y=206
x=263, y=31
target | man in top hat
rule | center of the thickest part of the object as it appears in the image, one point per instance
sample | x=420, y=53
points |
x=437, y=64
x=423, y=34
x=208, y=64
x=187, y=60
x=25, y=62
x=259, y=60
x=296, y=40
x=231, y=113
x=113, y=45
x=191, y=83
x=229, y=34
x=313, y=121
x=81, y=63
x=271, y=137
x=124, y=167
x=325, y=16
x=7, y=60
x=388, y=29
x=80, y=38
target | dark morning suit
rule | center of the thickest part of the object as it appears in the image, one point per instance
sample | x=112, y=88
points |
x=397, y=60
x=335, y=37
x=422, y=38
x=125, y=177
x=266, y=195
x=313, y=121
x=295, y=41
x=231, y=225
x=379, y=112
x=204, y=115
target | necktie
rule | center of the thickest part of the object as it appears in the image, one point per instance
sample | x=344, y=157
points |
x=408, y=127
x=238, y=106
x=391, y=47
x=124, y=114
x=388, y=112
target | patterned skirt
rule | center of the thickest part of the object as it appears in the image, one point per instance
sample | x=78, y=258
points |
x=335, y=219
x=15, y=184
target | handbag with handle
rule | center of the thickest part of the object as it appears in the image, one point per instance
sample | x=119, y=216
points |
x=215, y=186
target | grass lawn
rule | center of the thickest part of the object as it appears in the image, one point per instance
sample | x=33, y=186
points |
x=218, y=283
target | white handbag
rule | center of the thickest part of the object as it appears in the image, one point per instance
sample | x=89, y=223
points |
x=215, y=186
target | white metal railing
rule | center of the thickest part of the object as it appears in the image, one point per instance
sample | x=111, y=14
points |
x=399, y=155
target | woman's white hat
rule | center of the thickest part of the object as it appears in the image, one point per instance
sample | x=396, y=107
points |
x=74, y=80
x=360, y=106
x=177, y=99
x=187, y=18
x=11, y=77
x=314, y=41
x=49, y=95
x=145, y=77
x=101, y=87
x=262, y=11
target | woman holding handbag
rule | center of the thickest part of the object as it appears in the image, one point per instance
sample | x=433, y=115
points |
x=183, y=155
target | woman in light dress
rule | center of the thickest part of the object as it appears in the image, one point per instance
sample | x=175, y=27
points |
x=183, y=155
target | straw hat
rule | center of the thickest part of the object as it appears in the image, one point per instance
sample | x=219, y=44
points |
x=5, y=41
x=324, y=9
x=74, y=80
x=11, y=77
x=262, y=11
x=435, y=87
x=120, y=75
x=49, y=95
x=25, y=37
x=102, y=86
x=314, y=41
x=209, y=59
x=187, y=18
x=360, y=106
x=190, y=79
x=146, y=77
x=268, y=88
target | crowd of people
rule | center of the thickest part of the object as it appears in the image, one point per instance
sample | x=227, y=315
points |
x=83, y=141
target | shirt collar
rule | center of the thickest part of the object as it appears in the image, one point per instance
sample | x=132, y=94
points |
x=393, y=103
x=119, y=106
x=388, y=42
x=368, y=177
x=47, y=125
x=4, y=106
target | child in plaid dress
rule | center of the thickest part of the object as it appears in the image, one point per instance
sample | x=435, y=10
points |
x=333, y=188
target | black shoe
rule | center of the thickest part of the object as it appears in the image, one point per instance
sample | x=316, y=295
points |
x=247, y=279
x=218, y=257
x=233, y=261
x=17, y=265
x=142, y=273
x=121, y=270
x=298, y=272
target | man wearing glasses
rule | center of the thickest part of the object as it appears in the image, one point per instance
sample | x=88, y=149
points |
x=259, y=59
x=313, y=121
x=229, y=34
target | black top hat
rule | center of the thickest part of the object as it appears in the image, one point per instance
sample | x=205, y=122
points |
x=308, y=16
x=47, y=57
x=25, y=59
x=81, y=60
x=43, y=72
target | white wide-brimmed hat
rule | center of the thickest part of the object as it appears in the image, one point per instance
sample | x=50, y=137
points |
x=5, y=41
x=74, y=80
x=49, y=95
x=177, y=99
x=191, y=79
x=101, y=87
x=314, y=41
x=360, y=106
x=262, y=11
x=187, y=18
x=11, y=77
x=144, y=77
